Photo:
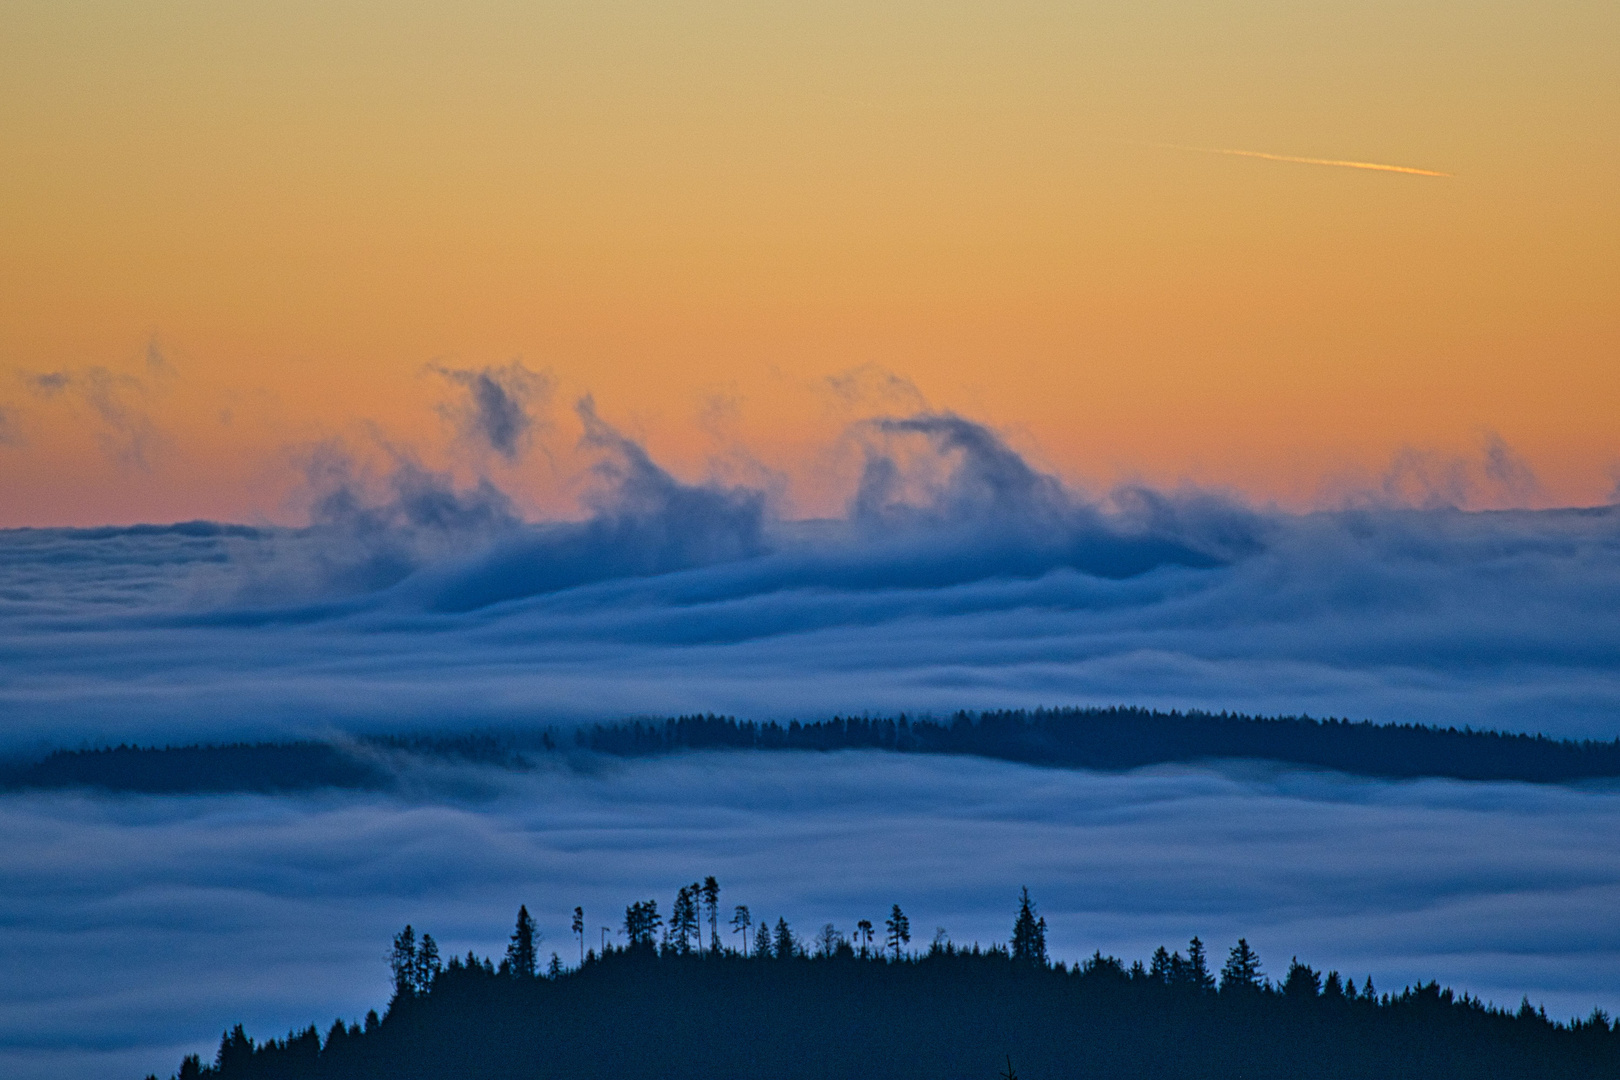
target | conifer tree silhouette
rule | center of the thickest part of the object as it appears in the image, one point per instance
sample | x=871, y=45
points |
x=521, y=956
x=1198, y=973
x=899, y=928
x=403, y=962
x=1242, y=969
x=711, y=901
x=641, y=922
x=427, y=966
x=787, y=946
x=1029, y=934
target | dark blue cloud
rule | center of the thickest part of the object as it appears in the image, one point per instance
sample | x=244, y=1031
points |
x=496, y=412
x=645, y=523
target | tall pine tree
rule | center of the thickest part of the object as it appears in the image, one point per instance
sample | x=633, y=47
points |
x=521, y=954
x=1029, y=934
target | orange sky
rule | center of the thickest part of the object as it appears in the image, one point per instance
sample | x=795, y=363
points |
x=236, y=230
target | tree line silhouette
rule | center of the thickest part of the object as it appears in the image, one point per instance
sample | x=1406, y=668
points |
x=675, y=1001
x=1107, y=739
x=1127, y=738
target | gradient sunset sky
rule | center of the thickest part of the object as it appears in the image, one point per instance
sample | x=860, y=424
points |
x=230, y=232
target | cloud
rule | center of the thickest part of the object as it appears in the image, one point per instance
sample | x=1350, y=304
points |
x=369, y=532
x=138, y=928
x=644, y=523
x=967, y=474
x=497, y=410
x=871, y=388
x=1497, y=478
x=156, y=361
x=959, y=577
x=124, y=431
x=10, y=434
x=1509, y=472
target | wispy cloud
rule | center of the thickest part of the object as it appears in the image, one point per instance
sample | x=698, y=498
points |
x=1335, y=162
x=498, y=410
x=124, y=430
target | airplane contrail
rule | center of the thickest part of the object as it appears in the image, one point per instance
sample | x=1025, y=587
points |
x=1375, y=166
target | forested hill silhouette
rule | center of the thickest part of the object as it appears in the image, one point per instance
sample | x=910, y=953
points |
x=366, y=763
x=687, y=1008
x=1108, y=739
x=1128, y=738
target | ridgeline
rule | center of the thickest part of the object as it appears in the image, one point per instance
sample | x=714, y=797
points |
x=685, y=1009
x=1106, y=739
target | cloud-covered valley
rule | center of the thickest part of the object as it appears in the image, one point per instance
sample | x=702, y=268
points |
x=959, y=576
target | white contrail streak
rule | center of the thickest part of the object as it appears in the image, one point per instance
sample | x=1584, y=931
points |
x=1375, y=166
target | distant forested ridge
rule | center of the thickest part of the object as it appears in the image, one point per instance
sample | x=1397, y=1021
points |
x=1107, y=739
x=367, y=763
x=176, y=770
x=1129, y=738
x=686, y=1007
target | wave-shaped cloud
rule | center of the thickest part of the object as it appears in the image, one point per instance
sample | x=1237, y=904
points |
x=960, y=576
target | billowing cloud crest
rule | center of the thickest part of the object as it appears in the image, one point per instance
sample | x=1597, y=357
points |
x=959, y=577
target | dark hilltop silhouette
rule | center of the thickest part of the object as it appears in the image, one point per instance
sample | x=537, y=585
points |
x=1108, y=739
x=711, y=995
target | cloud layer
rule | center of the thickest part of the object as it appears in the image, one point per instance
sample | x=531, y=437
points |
x=960, y=576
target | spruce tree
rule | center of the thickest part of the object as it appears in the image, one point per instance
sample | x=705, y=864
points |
x=1029, y=934
x=403, y=962
x=520, y=953
x=1242, y=970
x=683, y=920
x=1303, y=982
x=641, y=922
x=427, y=966
x=1198, y=972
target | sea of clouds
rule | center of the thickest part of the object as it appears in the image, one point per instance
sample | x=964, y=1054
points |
x=959, y=576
